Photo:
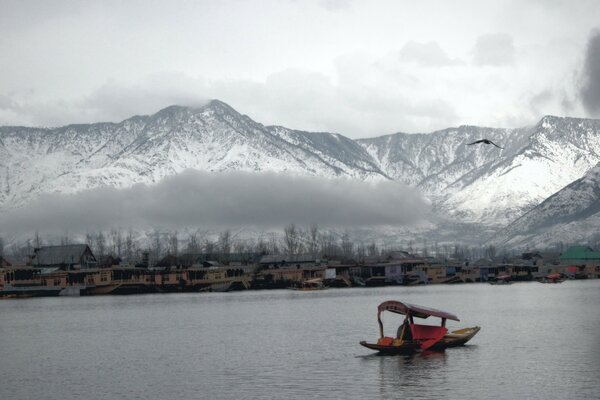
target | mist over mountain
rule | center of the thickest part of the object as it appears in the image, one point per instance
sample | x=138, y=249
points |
x=479, y=186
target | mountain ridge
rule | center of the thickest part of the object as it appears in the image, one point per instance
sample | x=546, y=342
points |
x=470, y=184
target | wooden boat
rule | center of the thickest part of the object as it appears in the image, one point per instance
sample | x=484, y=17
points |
x=501, y=280
x=413, y=337
x=553, y=278
x=311, y=284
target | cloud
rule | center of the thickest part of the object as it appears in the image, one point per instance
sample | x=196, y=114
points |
x=590, y=87
x=428, y=54
x=217, y=200
x=494, y=49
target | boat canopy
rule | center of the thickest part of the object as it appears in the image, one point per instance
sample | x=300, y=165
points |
x=414, y=310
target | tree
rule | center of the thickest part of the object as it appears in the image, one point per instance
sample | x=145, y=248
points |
x=224, y=243
x=372, y=250
x=273, y=244
x=1, y=246
x=209, y=246
x=193, y=246
x=361, y=252
x=129, y=246
x=313, y=240
x=37, y=240
x=291, y=239
x=101, y=244
x=347, y=247
x=174, y=244
x=490, y=252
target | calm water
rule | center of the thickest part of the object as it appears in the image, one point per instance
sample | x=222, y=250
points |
x=537, y=341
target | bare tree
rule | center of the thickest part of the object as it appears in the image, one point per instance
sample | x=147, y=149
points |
x=156, y=247
x=490, y=252
x=225, y=242
x=89, y=240
x=193, y=246
x=116, y=239
x=64, y=239
x=446, y=250
x=313, y=240
x=361, y=252
x=291, y=239
x=372, y=250
x=1, y=246
x=273, y=244
x=129, y=246
x=101, y=244
x=173, y=245
x=239, y=246
x=328, y=244
x=261, y=246
x=347, y=247
x=209, y=246
x=37, y=240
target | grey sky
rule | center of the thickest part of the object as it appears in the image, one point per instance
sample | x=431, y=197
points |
x=219, y=200
x=354, y=67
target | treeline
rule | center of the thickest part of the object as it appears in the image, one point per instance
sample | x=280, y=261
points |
x=132, y=247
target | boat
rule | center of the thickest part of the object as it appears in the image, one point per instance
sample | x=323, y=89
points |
x=412, y=337
x=553, y=278
x=501, y=280
x=311, y=284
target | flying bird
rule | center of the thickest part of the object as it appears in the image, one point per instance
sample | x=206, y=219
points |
x=486, y=141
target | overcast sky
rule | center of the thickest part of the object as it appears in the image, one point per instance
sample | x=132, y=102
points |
x=360, y=68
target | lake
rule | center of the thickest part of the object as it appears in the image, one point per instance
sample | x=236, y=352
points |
x=537, y=342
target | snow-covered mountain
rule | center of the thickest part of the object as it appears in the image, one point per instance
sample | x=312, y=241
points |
x=479, y=184
x=570, y=215
x=485, y=184
x=145, y=149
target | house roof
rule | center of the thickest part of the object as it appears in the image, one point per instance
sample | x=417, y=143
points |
x=580, y=253
x=55, y=255
x=288, y=258
x=4, y=262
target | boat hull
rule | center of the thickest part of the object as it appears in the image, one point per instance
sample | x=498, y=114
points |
x=452, y=339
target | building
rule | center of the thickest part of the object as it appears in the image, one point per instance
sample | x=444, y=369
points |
x=4, y=262
x=66, y=257
x=288, y=260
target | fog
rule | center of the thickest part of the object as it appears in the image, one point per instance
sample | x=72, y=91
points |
x=219, y=201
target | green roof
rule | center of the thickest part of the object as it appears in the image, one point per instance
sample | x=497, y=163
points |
x=580, y=253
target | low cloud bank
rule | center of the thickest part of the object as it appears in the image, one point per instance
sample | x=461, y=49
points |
x=222, y=200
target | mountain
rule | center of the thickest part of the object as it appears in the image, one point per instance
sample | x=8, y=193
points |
x=145, y=149
x=480, y=185
x=570, y=215
x=484, y=184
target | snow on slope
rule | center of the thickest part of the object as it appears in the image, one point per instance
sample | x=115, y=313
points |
x=570, y=215
x=468, y=184
x=145, y=149
x=484, y=184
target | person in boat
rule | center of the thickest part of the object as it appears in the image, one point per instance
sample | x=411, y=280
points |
x=404, y=331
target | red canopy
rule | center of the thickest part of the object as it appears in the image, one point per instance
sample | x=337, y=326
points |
x=414, y=310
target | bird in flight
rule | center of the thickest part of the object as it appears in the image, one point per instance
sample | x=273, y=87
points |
x=486, y=141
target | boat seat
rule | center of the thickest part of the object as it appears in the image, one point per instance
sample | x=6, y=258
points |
x=385, y=341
